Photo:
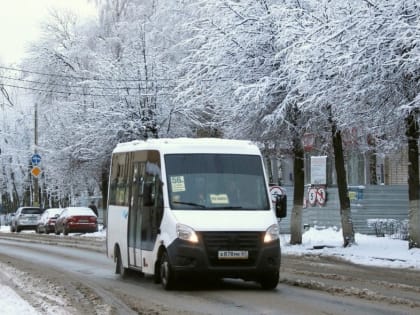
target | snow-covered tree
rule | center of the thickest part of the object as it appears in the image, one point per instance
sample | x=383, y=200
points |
x=361, y=60
x=266, y=70
x=99, y=84
x=16, y=146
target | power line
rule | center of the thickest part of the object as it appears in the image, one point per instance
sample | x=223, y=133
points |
x=62, y=92
x=81, y=94
x=86, y=86
x=110, y=79
x=84, y=78
x=151, y=88
x=71, y=86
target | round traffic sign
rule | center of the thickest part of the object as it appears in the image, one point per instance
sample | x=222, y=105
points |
x=312, y=196
x=321, y=196
x=36, y=159
x=274, y=191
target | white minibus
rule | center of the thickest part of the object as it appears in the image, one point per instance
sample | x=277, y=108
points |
x=193, y=207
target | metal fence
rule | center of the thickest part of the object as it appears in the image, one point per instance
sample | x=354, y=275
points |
x=379, y=210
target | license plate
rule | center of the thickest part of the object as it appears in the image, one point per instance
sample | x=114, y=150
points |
x=83, y=221
x=233, y=254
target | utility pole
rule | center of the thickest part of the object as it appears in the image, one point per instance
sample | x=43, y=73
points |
x=36, y=185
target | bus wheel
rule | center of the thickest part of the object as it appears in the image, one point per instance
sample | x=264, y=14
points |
x=119, y=268
x=269, y=281
x=167, y=276
x=156, y=276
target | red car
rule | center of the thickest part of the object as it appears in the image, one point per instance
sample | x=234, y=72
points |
x=76, y=220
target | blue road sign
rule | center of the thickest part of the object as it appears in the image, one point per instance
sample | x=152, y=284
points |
x=36, y=159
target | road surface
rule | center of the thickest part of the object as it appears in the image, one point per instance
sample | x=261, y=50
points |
x=72, y=275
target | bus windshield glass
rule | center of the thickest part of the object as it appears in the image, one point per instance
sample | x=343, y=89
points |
x=216, y=182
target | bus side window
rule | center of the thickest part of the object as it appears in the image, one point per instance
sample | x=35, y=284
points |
x=121, y=191
x=152, y=192
x=113, y=192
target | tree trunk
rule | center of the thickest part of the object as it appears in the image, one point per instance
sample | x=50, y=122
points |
x=412, y=133
x=299, y=189
x=345, y=209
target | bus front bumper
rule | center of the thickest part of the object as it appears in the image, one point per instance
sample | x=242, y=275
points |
x=189, y=259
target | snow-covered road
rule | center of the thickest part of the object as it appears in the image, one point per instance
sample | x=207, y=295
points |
x=314, y=270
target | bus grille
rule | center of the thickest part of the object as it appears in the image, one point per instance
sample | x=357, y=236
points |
x=238, y=241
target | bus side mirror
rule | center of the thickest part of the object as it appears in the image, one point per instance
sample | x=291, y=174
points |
x=148, y=196
x=281, y=206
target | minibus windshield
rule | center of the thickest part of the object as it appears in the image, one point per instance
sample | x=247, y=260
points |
x=216, y=182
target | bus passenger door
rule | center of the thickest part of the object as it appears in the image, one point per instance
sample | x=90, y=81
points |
x=152, y=210
x=135, y=216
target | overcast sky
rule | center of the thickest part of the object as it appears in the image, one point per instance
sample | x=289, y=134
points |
x=20, y=23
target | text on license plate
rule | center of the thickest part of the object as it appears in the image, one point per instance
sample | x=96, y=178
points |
x=233, y=254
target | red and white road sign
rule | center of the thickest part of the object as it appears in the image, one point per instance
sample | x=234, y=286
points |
x=312, y=196
x=274, y=191
x=320, y=196
x=317, y=195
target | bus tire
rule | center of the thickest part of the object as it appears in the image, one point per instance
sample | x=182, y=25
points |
x=269, y=281
x=167, y=275
x=119, y=267
x=156, y=276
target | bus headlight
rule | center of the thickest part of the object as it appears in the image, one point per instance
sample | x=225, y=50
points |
x=186, y=233
x=271, y=234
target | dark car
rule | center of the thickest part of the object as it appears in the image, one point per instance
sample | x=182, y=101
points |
x=76, y=220
x=46, y=224
x=26, y=218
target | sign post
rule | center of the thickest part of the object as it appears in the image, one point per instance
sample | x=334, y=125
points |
x=36, y=171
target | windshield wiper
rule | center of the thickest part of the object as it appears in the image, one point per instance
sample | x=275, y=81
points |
x=190, y=204
x=226, y=208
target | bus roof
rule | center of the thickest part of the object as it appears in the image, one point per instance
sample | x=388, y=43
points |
x=190, y=145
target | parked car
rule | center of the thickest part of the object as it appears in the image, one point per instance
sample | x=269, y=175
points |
x=25, y=218
x=76, y=220
x=46, y=223
x=9, y=218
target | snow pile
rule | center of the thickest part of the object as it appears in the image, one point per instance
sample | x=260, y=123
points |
x=26, y=291
x=368, y=250
x=12, y=303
